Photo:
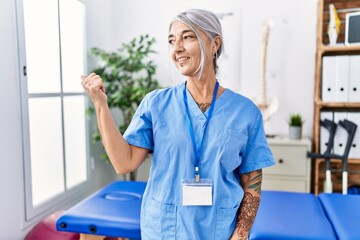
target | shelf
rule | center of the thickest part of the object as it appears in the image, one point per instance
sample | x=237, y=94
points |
x=323, y=49
x=336, y=174
x=350, y=160
x=339, y=49
x=333, y=105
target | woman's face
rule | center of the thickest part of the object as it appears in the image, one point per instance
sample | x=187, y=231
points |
x=185, y=48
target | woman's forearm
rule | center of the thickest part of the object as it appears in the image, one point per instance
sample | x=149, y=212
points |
x=124, y=157
x=251, y=183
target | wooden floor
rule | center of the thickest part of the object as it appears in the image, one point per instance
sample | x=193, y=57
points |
x=95, y=237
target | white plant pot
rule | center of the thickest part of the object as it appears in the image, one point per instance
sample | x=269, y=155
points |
x=295, y=132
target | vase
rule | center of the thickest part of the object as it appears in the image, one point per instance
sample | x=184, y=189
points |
x=332, y=34
x=295, y=132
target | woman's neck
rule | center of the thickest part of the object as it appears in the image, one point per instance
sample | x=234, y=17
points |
x=201, y=90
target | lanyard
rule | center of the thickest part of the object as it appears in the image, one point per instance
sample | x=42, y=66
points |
x=197, y=149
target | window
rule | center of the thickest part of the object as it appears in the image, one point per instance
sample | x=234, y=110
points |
x=52, y=52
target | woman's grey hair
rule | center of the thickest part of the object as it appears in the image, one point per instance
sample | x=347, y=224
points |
x=207, y=22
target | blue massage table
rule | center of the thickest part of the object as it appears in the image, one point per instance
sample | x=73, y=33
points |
x=304, y=216
x=113, y=211
x=287, y=215
x=343, y=211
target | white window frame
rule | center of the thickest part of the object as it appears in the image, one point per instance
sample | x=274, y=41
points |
x=68, y=196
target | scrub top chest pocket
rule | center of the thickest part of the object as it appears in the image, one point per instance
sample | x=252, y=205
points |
x=233, y=143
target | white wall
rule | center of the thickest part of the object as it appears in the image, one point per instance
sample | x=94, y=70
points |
x=11, y=172
x=291, y=58
x=291, y=54
x=152, y=19
x=110, y=22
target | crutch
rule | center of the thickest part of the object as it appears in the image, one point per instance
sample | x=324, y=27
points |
x=350, y=128
x=331, y=127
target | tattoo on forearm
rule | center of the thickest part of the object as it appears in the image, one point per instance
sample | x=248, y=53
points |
x=255, y=182
x=250, y=203
x=246, y=216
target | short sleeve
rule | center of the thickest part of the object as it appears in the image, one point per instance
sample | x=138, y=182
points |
x=140, y=132
x=257, y=154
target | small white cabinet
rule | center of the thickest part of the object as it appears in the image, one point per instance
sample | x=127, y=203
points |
x=292, y=169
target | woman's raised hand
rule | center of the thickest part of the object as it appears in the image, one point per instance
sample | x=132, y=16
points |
x=94, y=86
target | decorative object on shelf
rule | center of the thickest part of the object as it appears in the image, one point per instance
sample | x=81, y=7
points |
x=334, y=25
x=295, y=126
x=352, y=29
x=128, y=76
x=267, y=106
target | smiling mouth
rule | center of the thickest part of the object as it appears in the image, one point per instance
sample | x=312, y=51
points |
x=182, y=59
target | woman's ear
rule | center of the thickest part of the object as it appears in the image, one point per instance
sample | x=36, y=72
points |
x=216, y=43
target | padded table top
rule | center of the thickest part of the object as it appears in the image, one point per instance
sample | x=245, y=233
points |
x=112, y=211
x=343, y=211
x=289, y=215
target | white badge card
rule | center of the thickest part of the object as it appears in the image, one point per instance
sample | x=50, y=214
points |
x=197, y=193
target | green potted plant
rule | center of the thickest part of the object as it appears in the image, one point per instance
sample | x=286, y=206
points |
x=295, y=126
x=128, y=75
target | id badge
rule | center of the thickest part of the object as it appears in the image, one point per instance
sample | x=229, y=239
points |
x=197, y=193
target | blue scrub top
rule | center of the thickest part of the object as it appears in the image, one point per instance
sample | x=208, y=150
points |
x=234, y=143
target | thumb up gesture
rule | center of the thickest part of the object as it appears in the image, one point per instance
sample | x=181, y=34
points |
x=94, y=87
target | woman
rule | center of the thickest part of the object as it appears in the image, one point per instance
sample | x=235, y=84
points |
x=208, y=143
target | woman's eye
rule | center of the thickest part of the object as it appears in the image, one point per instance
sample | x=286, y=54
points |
x=188, y=37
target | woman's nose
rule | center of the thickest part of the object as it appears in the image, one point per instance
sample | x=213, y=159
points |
x=178, y=46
